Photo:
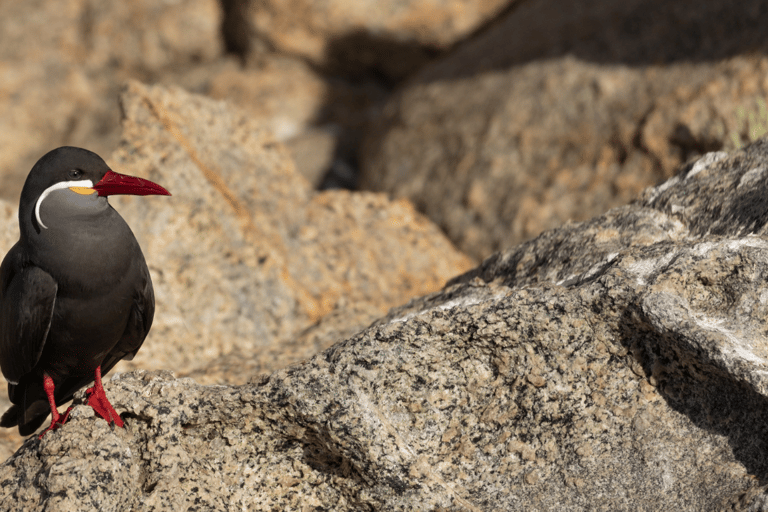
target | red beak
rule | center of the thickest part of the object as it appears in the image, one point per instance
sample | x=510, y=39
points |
x=115, y=183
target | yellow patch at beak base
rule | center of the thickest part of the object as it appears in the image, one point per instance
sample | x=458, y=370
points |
x=82, y=190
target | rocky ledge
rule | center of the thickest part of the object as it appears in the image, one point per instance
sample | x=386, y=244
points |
x=615, y=364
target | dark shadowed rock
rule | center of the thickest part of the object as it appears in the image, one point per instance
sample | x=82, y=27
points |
x=321, y=118
x=564, y=109
x=384, y=38
x=615, y=364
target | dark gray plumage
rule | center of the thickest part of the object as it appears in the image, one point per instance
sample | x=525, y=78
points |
x=75, y=292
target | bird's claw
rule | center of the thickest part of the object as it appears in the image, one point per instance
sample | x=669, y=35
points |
x=101, y=406
x=56, y=422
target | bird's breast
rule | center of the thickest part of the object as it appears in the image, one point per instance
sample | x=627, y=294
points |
x=99, y=272
x=89, y=257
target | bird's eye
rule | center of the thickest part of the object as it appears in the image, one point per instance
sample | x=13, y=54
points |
x=75, y=174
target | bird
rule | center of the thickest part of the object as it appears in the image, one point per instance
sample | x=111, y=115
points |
x=76, y=296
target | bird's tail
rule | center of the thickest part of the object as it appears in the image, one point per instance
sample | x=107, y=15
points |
x=11, y=417
x=28, y=419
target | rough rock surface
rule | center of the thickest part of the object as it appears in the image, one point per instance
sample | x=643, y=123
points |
x=252, y=269
x=393, y=38
x=63, y=64
x=564, y=109
x=317, y=115
x=247, y=255
x=615, y=364
x=283, y=94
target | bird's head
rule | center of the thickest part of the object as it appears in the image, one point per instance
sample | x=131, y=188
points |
x=74, y=182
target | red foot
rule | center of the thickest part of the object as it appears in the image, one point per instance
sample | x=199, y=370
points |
x=97, y=399
x=57, y=420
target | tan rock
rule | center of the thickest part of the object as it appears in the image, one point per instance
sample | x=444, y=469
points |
x=252, y=269
x=246, y=256
x=563, y=110
x=389, y=37
x=314, y=153
x=433, y=407
x=284, y=95
x=321, y=118
x=63, y=64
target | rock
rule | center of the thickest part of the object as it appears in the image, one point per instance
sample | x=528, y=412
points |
x=362, y=37
x=285, y=95
x=320, y=118
x=314, y=153
x=564, y=109
x=614, y=364
x=246, y=256
x=64, y=64
x=252, y=269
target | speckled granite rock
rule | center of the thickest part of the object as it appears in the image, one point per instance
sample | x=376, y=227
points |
x=564, y=109
x=247, y=256
x=253, y=269
x=616, y=364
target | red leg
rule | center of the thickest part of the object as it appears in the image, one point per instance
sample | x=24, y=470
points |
x=98, y=400
x=57, y=419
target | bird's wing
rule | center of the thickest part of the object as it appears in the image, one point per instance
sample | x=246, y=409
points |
x=27, y=297
x=139, y=323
